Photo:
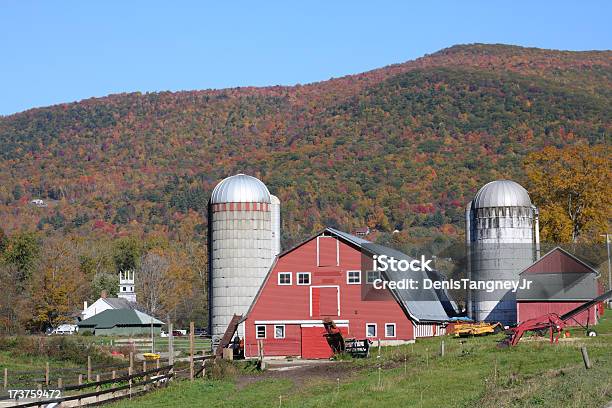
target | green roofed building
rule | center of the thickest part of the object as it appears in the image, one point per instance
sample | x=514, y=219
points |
x=121, y=322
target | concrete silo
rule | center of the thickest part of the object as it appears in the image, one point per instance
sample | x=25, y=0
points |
x=240, y=247
x=502, y=239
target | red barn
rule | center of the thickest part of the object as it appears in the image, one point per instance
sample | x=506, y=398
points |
x=560, y=282
x=324, y=277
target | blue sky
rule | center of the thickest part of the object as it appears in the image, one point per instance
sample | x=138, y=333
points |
x=63, y=51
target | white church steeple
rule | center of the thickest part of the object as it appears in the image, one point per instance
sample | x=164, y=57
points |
x=126, y=286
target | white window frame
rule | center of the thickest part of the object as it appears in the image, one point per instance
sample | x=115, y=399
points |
x=290, y=278
x=375, y=330
x=284, y=331
x=394, y=329
x=378, y=276
x=348, y=278
x=257, y=336
x=297, y=278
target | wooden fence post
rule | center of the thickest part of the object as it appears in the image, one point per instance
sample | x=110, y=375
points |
x=98, y=388
x=191, y=334
x=585, y=357
x=170, y=345
x=60, y=383
x=80, y=379
x=6, y=378
x=442, y=348
x=144, y=365
x=47, y=373
x=114, y=374
x=89, y=368
x=131, y=359
x=130, y=380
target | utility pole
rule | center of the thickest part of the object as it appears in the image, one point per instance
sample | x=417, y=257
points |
x=607, y=235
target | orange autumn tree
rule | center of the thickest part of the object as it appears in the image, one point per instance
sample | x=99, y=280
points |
x=572, y=189
x=57, y=285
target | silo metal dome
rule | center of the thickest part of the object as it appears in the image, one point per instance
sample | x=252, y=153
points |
x=240, y=189
x=502, y=193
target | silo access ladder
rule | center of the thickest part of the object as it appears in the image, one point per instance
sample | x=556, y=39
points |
x=228, y=335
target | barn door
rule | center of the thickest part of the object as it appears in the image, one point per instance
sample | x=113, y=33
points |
x=314, y=342
x=324, y=301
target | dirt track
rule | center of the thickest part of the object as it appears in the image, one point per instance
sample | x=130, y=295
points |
x=300, y=371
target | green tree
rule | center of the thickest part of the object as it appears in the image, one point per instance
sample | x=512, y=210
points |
x=21, y=252
x=126, y=254
x=104, y=282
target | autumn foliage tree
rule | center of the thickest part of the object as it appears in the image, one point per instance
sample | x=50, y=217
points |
x=571, y=186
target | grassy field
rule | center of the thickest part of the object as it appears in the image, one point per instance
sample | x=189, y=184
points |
x=22, y=363
x=473, y=373
x=144, y=344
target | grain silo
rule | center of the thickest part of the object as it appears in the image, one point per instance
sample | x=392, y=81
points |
x=502, y=239
x=240, y=247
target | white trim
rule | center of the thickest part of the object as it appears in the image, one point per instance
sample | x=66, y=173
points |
x=337, y=251
x=394, y=330
x=257, y=331
x=375, y=330
x=284, y=333
x=297, y=278
x=278, y=279
x=262, y=322
x=326, y=286
x=321, y=325
x=348, y=282
x=318, y=256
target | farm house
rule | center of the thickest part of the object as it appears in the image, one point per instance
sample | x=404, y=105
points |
x=560, y=283
x=324, y=278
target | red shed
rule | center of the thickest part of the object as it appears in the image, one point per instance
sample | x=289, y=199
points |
x=560, y=282
x=320, y=278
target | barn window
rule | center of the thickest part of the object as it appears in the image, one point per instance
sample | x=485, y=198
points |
x=372, y=276
x=389, y=329
x=370, y=329
x=303, y=278
x=279, y=331
x=353, y=277
x=260, y=331
x=284, y=278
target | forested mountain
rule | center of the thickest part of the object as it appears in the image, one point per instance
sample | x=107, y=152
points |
x=402, y=147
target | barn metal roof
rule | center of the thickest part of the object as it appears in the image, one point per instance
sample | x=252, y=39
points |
x=565, y=287
x=240, y=189
x=501, y=193
x=119, y=303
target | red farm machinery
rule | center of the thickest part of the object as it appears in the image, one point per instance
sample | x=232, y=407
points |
x=551, y=322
